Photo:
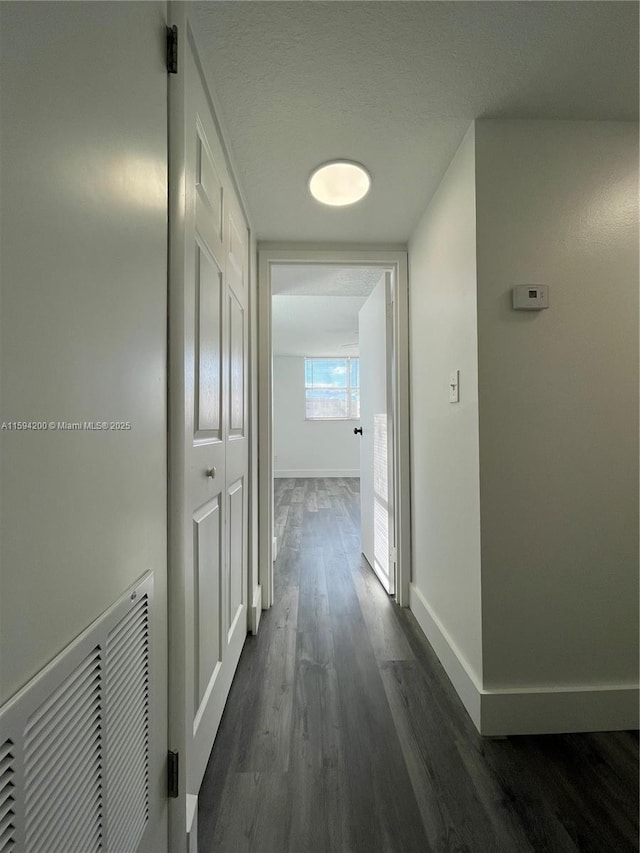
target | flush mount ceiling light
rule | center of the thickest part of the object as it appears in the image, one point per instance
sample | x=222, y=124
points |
x=339, y=183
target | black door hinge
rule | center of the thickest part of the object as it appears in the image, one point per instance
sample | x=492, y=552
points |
x=172, y=774
x=172, y=49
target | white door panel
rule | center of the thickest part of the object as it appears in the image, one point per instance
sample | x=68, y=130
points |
x=376, y=480
x=208, y=402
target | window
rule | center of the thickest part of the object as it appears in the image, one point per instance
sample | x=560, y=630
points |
x=332, y=388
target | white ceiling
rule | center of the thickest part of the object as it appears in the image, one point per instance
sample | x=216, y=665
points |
x=323, y=280
x=395, y=85
x=315, y=325
x=315, y=308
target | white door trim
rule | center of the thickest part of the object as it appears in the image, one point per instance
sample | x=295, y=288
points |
x=395, y=258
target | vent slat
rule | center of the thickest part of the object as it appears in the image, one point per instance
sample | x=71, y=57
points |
x=7, y=822
x=41, y=773
x=83, y=810
x=6, y=794
x=129, y=736
x=5, y=763
x=79, y=835
x=134, y=782
x=7, y=811
x=131, y=823
x=127, y=812
x=61, y=782
x=127, y=690
x=7, y=797
x=128, y=703
x=63, y=695
x=135, y=618
x=128, y=682
x=125, y=746
x=121, y=656
x=61, y=789
x=136, y=663
x=7, y=839
x=40, y=768
x=132, y=740
x=63, y=762
x=64, y=714
x=67, y=802
x=135, y=629
x=137, y=659
x=131, y=832
x=133, y=622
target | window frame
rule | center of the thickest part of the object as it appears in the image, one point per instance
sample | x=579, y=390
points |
x=348, y=388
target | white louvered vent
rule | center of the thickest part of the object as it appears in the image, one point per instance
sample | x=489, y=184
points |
x=7, y=798
x=75, y=742
x=127, y=727
x=63, y=766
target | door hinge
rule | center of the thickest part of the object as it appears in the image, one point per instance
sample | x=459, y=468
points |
x=393, y=555
x=172, y=49
x=172, y=774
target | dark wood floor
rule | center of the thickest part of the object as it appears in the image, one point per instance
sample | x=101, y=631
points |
x=342, y=733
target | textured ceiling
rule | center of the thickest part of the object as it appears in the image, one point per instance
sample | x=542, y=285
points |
x=315, y=307
x=323, y=280
x=395, y=85
x=315, y=325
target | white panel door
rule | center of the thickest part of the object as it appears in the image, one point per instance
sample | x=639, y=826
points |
x=376, y=440
x=208, y=439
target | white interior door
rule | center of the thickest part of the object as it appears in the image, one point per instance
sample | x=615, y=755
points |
x=376, y=440
x=208, y=439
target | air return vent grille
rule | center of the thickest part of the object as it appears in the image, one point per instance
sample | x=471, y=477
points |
x=127, y=679
x=75, y=742
x=7, y=798
x=63, y=770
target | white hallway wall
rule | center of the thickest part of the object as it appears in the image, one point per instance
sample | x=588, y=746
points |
x=307, y=448
x=84, y=214
x=444, y=437
x=83, y=330
x=83, y=227
x=557, y=583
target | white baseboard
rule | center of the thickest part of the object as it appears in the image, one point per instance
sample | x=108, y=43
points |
x=460, y=674
x=316, y=472
x=255, y=611
x=535, y=710
x=597, y=708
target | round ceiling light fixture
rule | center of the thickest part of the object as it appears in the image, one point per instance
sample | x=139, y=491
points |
x=339, y=183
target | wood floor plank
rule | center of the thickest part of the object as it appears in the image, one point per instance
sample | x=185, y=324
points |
x=597, y=816
x=381, y=797
x=255, y=815
x=466, y=816
x=322, y=496
x=386, y=634
x=320, y=818
x=266, y=724
x=343, y=734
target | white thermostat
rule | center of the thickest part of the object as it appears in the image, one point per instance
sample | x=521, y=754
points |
x=530, y=297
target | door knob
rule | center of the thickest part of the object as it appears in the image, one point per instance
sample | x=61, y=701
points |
x=211, y=472
x=357, y=430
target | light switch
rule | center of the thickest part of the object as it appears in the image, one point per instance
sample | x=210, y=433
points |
x=454, y=386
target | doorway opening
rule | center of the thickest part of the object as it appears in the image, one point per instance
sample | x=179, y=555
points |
x=333, y=394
